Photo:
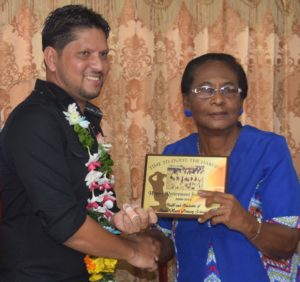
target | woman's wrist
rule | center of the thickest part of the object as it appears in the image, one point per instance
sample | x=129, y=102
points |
x=258, y=230
x=255, y=228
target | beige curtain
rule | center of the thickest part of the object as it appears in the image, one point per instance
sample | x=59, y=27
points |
x=151, y=42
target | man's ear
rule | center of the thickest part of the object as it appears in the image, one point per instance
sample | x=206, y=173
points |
x=50, y=58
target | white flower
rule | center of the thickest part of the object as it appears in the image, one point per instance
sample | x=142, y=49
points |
x=73, y=116
x=109, y=204
x=105, y=194
x=100, y=209
x=93, y=176
x=101, y=143
x=104, y=179
x=84, y=122
x=93, y=158
x=112, y=179
x=106, y=146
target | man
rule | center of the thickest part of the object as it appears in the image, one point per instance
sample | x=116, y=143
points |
x=46, y=231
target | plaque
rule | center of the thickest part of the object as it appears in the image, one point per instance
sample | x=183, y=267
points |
x=171, y=183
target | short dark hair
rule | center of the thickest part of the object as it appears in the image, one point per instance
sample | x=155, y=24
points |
x=61, y=23
x=229, y=60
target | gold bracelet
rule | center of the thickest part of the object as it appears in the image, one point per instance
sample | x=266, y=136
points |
x=258, y=229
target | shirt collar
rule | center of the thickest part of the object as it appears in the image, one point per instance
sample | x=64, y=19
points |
x=64, y=99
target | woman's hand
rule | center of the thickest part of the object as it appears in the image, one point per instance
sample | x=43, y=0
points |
x=132, y=218
x=231, y=213
x=275, y=241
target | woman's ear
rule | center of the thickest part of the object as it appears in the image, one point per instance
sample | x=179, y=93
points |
x=188, y=113
x=186, y=102
x=241, y=110
x=50, y=58
x=186, y=105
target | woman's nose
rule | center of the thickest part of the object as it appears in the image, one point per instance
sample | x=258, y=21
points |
x=217, y=97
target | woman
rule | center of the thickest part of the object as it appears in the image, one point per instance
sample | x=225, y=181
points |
x=253, y=235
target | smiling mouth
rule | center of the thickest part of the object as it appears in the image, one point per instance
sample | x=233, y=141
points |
x=94, y=78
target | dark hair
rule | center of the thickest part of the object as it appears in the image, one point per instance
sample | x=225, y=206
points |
x=230, y=61
x=60, y=24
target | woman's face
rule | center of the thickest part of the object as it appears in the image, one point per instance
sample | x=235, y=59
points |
x=216, y=113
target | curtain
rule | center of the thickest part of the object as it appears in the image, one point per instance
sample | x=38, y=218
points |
x=150, y=44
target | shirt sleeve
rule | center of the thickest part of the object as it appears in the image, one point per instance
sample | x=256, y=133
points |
x=289, y=221
x=280, y=190
x=35, y=149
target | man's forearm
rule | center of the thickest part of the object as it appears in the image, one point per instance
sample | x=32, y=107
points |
x=92, y=239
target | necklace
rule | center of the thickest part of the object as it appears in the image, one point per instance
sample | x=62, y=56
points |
x=202, y=154
x=198, y=147
x=99, y=181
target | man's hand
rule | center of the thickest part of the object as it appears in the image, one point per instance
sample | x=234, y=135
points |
x=146, y=251
x=132, y=218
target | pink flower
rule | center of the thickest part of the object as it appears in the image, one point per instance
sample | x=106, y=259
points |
x=107, y=198
x=92, y=205
x=93, y=186
x=100, y=138
x=105, y=186
x=93, y=165
x=108, y=214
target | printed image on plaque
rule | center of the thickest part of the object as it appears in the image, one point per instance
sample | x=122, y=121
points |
x=171, y=183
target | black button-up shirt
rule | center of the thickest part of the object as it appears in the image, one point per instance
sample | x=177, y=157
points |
x=42, y=170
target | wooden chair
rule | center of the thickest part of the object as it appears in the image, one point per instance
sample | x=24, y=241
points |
x=163, y=273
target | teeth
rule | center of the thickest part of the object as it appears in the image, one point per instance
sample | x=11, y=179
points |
x=93, y=77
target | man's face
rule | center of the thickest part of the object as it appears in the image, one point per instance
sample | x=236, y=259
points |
x=82, y=66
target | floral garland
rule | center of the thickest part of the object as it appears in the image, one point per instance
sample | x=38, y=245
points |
x=99, y=180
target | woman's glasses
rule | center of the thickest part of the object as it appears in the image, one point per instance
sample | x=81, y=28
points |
x=205, y=91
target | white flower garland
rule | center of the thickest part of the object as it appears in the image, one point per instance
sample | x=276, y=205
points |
x=99, y=178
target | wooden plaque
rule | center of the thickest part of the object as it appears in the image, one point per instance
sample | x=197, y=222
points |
x=171, y=183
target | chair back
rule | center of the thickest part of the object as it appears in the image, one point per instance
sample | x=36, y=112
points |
x=163, y=273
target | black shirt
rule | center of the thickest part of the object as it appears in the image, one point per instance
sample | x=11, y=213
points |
x=42, y=170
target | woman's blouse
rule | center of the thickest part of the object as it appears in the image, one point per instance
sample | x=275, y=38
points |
x=262, y=177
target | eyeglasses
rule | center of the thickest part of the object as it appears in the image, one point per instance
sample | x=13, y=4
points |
x=205, y=91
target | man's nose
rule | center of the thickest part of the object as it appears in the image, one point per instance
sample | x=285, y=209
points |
x=97, y=63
